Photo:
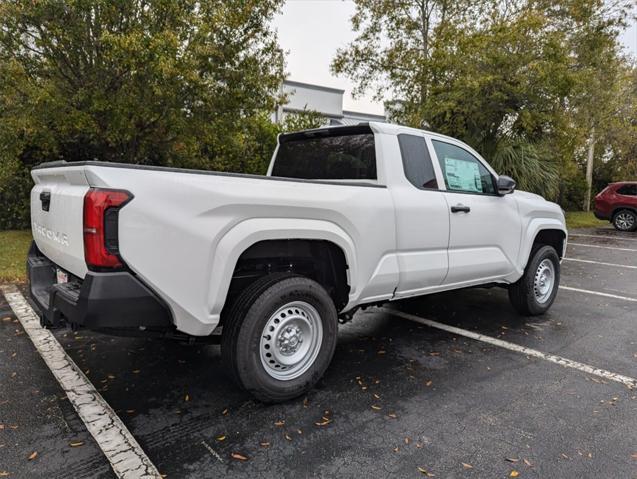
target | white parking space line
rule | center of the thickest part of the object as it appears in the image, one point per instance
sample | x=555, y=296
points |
x=627, y=381
x=601, y=247
x=601, y=237
x=599, y=293
x=600, y=263
x=125, y=455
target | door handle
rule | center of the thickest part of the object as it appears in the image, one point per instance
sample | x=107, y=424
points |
x=460, y=208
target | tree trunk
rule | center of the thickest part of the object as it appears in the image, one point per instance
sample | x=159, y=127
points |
x=589, y=170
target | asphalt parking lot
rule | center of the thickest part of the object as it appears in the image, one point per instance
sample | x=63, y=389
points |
x=400, y=399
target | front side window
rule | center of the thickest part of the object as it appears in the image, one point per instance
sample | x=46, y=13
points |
x=463, y=171
x=336, y=157
x=417, y=163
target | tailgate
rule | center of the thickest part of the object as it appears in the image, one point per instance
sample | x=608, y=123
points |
x=57, y=203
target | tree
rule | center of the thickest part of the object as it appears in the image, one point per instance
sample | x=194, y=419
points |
x=145, y=81
x=599, y=67
x=188, y=83
x=504, y=76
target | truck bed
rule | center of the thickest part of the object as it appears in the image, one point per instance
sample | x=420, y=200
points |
x=184, y=229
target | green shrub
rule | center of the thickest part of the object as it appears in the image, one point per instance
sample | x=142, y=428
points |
x=14, y=198
x=573, y=192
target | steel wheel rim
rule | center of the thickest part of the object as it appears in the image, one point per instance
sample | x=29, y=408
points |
x=624, y=221
x=544, y=281
x=291, y=340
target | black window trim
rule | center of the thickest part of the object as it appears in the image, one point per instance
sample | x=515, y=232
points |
x=433, y=166
x=493, y=178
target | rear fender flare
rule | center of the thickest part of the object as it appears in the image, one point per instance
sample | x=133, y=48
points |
x=245, y=234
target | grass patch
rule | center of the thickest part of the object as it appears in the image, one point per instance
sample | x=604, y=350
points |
x=14, y=246
x=583, y=219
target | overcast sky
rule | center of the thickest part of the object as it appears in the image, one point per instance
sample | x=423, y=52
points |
x=312, y=30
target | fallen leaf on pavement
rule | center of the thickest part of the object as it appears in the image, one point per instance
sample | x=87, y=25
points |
x=221, y=438
x=514, y=473
x=422, y=470
x=512, y=459
x=279, y=423
x=33, y=455
x=375, y=407
x=466, y=466
x=528, y=463
x=265, y=444
x=187, y=398
x=76, y=443
x=238, y=457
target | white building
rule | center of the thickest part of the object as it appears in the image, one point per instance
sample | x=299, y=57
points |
x=324, y=100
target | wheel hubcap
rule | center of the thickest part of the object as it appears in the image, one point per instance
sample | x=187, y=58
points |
x=291, y=340
x=544, y=281
x=624, y=221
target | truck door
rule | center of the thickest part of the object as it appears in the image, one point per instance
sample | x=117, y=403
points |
x=485, y=228
x=422, y=219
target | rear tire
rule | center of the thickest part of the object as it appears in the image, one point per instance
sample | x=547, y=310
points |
x=279, y=336
x=534, y=293
x=625, y=220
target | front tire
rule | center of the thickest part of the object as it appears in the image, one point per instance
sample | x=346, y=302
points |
x=279, y=336
x=625, y=220
x=534, y=293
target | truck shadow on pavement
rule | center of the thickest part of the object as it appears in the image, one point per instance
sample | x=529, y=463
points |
x=188, y=415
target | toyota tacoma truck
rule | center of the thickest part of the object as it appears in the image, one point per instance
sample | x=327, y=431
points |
x=346, y=217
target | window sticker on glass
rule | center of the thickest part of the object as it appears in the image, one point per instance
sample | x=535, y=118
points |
x=463, y=175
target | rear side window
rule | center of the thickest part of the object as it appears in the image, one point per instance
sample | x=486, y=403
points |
x=628, y=190
x=463, y=171
x=342, y=157
x=417, y=163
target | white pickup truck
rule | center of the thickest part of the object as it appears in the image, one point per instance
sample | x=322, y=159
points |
x=346, y=217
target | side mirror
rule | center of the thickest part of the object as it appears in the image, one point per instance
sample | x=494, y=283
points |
x=506, y=185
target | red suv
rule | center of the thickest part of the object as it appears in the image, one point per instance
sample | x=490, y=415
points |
x=618, y=204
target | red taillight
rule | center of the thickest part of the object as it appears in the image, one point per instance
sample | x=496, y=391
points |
x=97, y=203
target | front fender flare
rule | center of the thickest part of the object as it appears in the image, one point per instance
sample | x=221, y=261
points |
x=533, y=228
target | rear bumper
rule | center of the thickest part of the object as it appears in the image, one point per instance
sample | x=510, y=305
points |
x=101, y=301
